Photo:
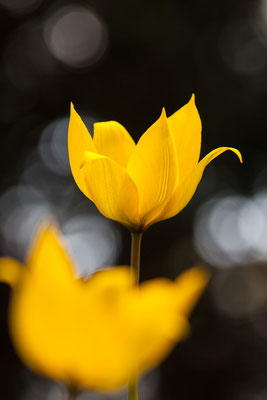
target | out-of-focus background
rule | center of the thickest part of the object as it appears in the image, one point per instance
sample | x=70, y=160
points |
x=124, y=60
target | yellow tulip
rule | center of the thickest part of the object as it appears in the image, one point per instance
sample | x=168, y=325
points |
x=138, y=185
x=97, y=333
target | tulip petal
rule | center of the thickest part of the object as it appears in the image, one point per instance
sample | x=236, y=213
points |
x=153, y=337
x=111, y=189
x=186, y=127
x=189, y=287
x=111, y=139
x=48, y=259
x=105, y=360
x=153, y=166
x=159, y=346
x=41, y=312
x=79, y=140
x=185, y=191
x=10, y=271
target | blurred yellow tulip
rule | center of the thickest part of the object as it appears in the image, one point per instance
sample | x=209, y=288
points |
x=138, y=185
x=97, y=333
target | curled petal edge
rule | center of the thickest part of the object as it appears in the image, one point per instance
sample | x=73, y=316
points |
x=186, y=189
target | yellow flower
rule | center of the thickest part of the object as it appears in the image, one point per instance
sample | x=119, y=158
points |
x=138, y=185
x=97, y=333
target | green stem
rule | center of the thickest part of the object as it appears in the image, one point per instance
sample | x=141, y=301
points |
x=135, y=255
x=71, y=394
x=133, y=390
x=135, y=268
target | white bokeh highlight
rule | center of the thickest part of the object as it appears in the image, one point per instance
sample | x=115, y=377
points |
x=232, y=230
x=76, y=36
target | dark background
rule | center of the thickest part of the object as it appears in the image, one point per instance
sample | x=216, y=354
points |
x=124, y=60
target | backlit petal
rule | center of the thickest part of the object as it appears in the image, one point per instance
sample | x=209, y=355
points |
x=189, y=287
x=105, y=361
x=111, y=189
x=79, y=140
x=185, y=191
x=153, y=337
x=42, y=312
x=173, y=301
x=48, y=260
x=186, y=127
x=153, y=166
x=111, y=139
x=97, y=333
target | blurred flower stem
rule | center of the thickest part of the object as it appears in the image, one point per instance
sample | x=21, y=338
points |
x=135, y=269
x=135, y=255
x=71, y=394
x=133, y=390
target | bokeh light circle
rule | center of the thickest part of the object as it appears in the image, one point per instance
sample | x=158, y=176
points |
x=76, y=36
x=232, y=230
x=53, y=147
x=93, y=242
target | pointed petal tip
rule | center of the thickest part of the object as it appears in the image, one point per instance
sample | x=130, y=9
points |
x=163, y=112
x=192, y=101
x=47, y=226
x=239, y=155
x=202, y=273
x=73, y=112
x=193, y=282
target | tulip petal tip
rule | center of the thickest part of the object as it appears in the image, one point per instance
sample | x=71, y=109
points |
x=163, y=112
x=240, y=157
x=237, y=152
